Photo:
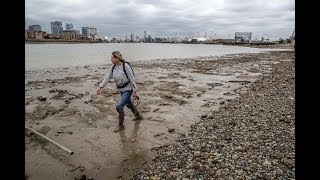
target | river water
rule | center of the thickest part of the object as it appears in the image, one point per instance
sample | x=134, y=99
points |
x=39, y=56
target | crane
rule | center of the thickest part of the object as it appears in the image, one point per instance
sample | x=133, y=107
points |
x=213, y=36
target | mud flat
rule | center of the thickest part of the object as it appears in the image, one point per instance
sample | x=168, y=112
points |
x=231, y=116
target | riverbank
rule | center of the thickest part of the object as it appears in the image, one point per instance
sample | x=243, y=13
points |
x=251, y=137
x=177, y=95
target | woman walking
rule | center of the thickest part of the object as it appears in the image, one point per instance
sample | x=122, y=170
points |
x=122, y=74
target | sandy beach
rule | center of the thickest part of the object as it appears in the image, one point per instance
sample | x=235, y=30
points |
x=209, y=117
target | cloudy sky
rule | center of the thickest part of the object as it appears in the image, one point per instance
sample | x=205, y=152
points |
x=272, y=19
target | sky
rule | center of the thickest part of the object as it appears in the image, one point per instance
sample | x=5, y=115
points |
x=271, y=19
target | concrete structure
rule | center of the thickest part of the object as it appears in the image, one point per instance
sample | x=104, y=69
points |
x=131, y=38
x=56, y=28
x=35, y=27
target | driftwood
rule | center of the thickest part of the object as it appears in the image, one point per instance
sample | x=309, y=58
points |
x=53, y=142
x=237, y=81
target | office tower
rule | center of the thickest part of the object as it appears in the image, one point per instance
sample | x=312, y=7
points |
x=69, y=26
x=131, y=37
x=149, y=37
x=56, y=27
x=85, y=31
x=145, y=35
x=35, y=28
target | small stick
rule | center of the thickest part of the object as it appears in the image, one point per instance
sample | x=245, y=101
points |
x=53, y=142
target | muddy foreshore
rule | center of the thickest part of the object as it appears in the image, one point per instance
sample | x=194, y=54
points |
x=231, y=116
x=251, y=137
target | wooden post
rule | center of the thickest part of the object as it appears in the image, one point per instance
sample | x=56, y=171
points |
x=53, y=142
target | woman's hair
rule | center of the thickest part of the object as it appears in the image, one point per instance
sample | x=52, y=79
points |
x=118, y=55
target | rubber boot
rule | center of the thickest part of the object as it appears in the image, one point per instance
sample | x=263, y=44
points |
x=136, y=113
x=121, y=126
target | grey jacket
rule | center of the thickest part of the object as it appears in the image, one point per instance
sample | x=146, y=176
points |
x=120, y=78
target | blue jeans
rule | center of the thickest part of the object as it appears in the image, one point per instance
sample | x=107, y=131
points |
x=125, y=100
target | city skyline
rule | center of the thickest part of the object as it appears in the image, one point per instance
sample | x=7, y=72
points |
x=272, y=19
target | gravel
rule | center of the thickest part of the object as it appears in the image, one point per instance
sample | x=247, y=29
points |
x=250, y=137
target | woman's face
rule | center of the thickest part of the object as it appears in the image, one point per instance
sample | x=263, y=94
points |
x=114, y=60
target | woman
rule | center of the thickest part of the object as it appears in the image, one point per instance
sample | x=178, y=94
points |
x=126, y=85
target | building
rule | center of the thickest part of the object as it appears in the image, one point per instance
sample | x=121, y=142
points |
x=93, y=31
x=243, y=36
x=131, y=38
x=145, y=35
x=56, y=28
x=69, y=26
x=35, y=34
x=35, y=28
x=69, y=35
x=149, y=38
x=93, y=34
x=39, y=34
x=85, y=31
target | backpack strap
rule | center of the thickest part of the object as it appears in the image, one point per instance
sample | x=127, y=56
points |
x=124, y=70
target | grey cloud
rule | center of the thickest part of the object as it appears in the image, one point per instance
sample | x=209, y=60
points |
x=166, y=17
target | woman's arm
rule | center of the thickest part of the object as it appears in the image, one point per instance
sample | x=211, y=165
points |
x=105, y=81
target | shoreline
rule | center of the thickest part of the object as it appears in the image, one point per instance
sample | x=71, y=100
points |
x=72, y=109
x=252, y=136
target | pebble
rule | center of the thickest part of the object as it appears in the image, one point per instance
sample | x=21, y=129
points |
x=257, y=147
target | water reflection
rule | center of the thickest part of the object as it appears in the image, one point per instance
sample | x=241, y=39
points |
x=129, y=144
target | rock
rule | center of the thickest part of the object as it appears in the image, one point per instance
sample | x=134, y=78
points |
x=154, y=178
x=197, y=153
x=279, y=172
x=81, y=177
x=266, y=177
x=266, y=163
x=40, y=98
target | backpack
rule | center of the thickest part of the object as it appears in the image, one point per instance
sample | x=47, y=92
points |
x=124, y=69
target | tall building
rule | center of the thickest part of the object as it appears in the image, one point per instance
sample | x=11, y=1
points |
x=35, y=28
x=69, y=26
x=92, y=31
x=85, y=31
x=131, y=38
x=56, y=27
x=145, y=35
x=149, y=37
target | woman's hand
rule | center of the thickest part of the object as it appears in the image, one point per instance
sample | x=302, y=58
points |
x=135, y=94
x=99, y=90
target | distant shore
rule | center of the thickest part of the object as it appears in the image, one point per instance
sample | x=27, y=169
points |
x=255, y=45
x=59, y=42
